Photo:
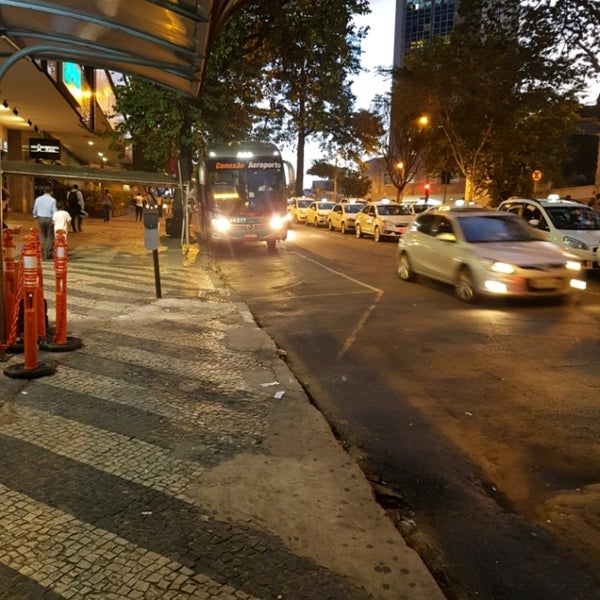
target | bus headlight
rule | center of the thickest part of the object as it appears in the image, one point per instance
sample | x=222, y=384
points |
x=221, y=224
x=277, y=222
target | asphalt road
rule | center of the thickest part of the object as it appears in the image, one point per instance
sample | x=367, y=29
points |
x=477, y=424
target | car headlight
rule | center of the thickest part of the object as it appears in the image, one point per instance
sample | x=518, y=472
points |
x=389, y=224
x=497, y=266
x=573, y=265
x=221, y=224
x=571, y=242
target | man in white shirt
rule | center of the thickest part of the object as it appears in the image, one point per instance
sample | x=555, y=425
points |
x=44, y=208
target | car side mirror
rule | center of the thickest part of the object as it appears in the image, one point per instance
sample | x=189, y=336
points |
x=446, y=237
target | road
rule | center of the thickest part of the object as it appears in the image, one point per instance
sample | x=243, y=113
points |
x=478, y=425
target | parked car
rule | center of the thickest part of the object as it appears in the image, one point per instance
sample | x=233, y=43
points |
x=383, y=219
x=486, y=253
x=573, y=226
x=297, y=208
x=317, y=211
x=343, y=215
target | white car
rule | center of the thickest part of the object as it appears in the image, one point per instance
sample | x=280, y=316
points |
x=486, y=253
x=343, y=215
x=317, y=212
x=297, y=208
x=383, y=219
x=573, y=226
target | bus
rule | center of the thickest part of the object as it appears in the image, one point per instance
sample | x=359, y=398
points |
x=246, y=193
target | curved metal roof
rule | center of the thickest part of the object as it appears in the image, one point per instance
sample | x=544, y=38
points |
x=166, y=41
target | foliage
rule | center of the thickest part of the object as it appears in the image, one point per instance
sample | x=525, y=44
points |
x=350, y=182
x=276, y=71
x=500, y=103
x=309, y=49
x=409, y=139
x=573, y=26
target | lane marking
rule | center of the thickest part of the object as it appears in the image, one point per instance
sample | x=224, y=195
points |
x=350, y=339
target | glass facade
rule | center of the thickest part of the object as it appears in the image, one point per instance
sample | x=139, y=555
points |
x=419, y=22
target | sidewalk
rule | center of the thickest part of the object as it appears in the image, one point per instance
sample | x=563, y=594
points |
x=175, y=455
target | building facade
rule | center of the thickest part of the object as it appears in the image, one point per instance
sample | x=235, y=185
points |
x=418, y=22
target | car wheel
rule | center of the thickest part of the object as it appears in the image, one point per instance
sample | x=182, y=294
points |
x=330, y=225
x=376, y=235
x=343, y=227
x=357, y=232
x=271, y=244
x=464, y=288
x=404, y=269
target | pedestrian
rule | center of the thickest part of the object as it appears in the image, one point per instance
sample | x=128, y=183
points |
x=75, y=205
x=61, y=219
x=139, y=206
x=5, y=198
x=44, y=208
x=107, y=205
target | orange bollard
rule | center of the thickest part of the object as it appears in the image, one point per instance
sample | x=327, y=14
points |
x=30, y=286
x=60, y=274
x=30, y=300
x=60, y=341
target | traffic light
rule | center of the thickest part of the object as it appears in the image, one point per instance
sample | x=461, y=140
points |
x=427, y=188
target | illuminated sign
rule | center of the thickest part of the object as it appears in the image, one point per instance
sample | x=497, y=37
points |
x=221, y=165
x=72, y=76
x=44, y=148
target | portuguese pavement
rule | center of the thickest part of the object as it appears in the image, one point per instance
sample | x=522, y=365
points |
x=174, y=455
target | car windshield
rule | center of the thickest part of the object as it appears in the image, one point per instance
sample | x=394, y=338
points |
x=324, y=206
x=393, y=209
x=495, y=228
x=353, y=208
x=303, y=203
x=574, y=217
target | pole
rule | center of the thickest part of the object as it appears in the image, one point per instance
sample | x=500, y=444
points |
x=156, y=274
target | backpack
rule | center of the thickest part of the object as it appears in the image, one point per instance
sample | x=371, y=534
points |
x=73, y=200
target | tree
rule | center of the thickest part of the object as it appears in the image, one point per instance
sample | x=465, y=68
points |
x=351, y=182
x=408, y=140
x=573, y=25
x=262, y=81
x=501, y=103
x=309, y=50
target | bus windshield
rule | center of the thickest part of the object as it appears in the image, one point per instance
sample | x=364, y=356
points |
x=242, y=191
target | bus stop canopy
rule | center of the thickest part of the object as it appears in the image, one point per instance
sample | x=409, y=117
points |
x=165, y=41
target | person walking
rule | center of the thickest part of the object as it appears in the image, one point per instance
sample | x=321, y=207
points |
x=139, y=206
x=44, y=208
x=107, y=205
x=75, y=205
x=61, y=219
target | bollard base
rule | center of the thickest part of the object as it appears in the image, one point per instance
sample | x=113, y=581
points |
x=16, y=348
x=20, y=372
x=72, y=343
